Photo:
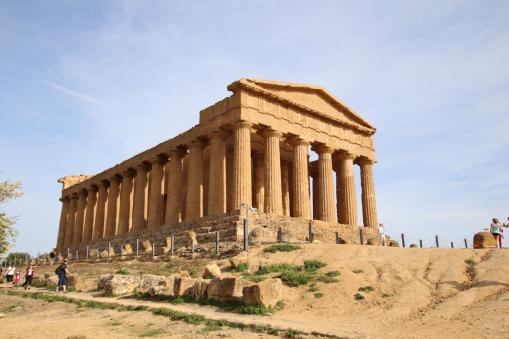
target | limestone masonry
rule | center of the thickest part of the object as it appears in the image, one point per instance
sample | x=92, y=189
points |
x=247, y=158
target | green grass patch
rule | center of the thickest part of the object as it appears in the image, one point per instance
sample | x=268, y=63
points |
x=39, y=283
x=385, y=295
x=357, y=271
x=470, y=261
x=313, y=265
x=253, y=277
x=256, y=310
x=312, y=288
x=241, y=267
x=318, y=295
x=296, y=278
x=151, y=333
x=276, y=268
x=358, y=296
x=122, y=271
x=214, y=325
x=366, y=289
x=333, y=274
x=326, y=279
x=291, y=333
x=280, y=248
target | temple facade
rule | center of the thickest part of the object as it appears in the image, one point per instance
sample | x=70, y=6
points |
x=251, y=149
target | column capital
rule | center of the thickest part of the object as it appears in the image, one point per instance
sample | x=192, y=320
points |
x=63, y=199
x=345, y=155
x=143, y=166
x=241, y=124
x=129, y=172
x=104, y=183
x=323, y=149
x=83, y=192
x=195, y=144
x=177, y=153
x=92, y=188
x=115, y=178
x=364, y=161
x=296, y=141
x=269, y=132
x=218, y=134
x=158, y=159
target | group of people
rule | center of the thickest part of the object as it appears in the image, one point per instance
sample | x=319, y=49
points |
x=497, y=230
x=14, y=277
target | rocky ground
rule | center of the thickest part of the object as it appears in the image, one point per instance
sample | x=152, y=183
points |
x=374, y=292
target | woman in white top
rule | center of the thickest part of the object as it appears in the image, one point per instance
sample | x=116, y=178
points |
x=496, y=231
x=10, y=273
x=381, y=232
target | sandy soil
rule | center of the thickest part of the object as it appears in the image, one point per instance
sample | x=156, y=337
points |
x=417, y=293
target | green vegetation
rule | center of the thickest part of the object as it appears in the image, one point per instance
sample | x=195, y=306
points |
x=470, y=261
x=241, y=267
x=385, y=295
x=39, y=283
x=366, y=289
x=151, y=333
x=312, y=288
x=357, y=271
x=295, y=278
x=318, y=295
x=358, y=296
x=276, y=268
x=214, y=325
x=256, y=310
x=327, y=279
x=9, y=190
x=253, y=277
x=333, y=274
x=123, y=271
x=291, y=333
x=313, y=265
x=280, y=248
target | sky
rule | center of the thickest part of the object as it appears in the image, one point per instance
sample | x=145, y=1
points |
x=85, y=85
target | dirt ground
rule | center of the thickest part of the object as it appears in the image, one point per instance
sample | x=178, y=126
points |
x=407, y=292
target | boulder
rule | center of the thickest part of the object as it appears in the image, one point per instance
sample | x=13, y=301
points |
x=146, y=246
x=393, y=243
x=191, y=238
x=183, y=286
x=266, y=293
x=93, y=253
x=171, y=280
x=148, y=280
x=413, y=246
x=52, y=281
x=200, y=289
x=102, y=280
x=211, y=271
x=82, y=284
x=226, y=288
x=159, y=290
x=119, y=284
x=127, y=249
x=484, y=240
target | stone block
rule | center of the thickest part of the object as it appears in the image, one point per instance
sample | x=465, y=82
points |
x=146, y=246
x=266, y=293
x=148, y=280
x=226, y=288
x=484, y=240
x=127, y=249
x=200, y=289
x=118, y=284
x=211, y=271
x=393, y=243
x=183, y=286
x=102, y=280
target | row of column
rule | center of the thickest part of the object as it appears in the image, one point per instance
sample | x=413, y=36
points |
x=133, y=200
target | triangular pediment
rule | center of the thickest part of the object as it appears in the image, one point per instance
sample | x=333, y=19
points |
x=314, y=98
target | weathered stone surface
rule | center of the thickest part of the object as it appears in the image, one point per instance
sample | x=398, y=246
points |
x=102, y=280
x=51, y=281
x=241, y=258
x=211, y=271
x=82, y=284
x=200, y=289
x=413, y=246
x=393, y=243
x=183, y=286
x=159, y=290
x=146, y=246
x=119, y=284
x=226, y=288
x=127, y=249
x=148, y=280
x=266, y=293
x=484, y=240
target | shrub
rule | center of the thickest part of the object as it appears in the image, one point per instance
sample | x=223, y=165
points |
x=291, y=333
x=256, y=310
x=296, y=278
x=313, y=265
x=276, y=268
x=281, y=248
x=358, y=296
x=470, y=262
x=253, y=278
x=312, y=288
x=385, y=295
x=357, y=271
x=123, y=271
x=241, y=267
x=333, y=274
x=327, y=279
x=318, y=295
x=366, y=289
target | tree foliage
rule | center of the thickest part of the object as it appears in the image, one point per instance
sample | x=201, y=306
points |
x=18, y=257
x=8, y=190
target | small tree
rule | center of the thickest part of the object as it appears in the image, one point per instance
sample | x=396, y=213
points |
x=8, y=190
x=18, y=257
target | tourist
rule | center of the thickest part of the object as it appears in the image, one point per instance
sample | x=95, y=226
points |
x=17, y=279
x=29, y=276
x=52, y=256
x=381, y=232
x=496, y=231
x=9, y=274
x=62, y=273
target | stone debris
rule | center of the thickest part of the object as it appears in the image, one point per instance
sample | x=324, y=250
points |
x=211, y=271
x=266, y=293
x=226, y=288
x=484, y=240
x=118, y=284
x=183, y=286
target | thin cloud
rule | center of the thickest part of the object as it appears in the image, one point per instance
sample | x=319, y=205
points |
x=73, y=93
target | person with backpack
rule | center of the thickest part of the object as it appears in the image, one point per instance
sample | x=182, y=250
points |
x=62, y=273
x=9, y=274
x=29, y=277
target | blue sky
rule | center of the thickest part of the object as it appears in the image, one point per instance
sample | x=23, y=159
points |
x=87, y=84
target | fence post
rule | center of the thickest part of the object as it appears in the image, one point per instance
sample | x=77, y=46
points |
x=87, y=253
x=97, y=252
x=420, y=243
x=466, y=244
x=153, y=250
x=361, y=235
x=279, y=235
x=217, y=242
x=246, y=233
x=337, y=237
x=109, y=248
x=172, y=249
x=68, y=252
x=310, y=232
x=137, y=246
x=452, y=244
x=192, y=247
x=403, y=239
x=121, y=250
x=436, y=241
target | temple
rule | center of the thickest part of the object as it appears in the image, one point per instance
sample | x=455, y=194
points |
x=247, y=158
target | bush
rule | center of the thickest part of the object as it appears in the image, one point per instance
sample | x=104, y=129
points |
x=256, y=310
x=276, y=268
x=253, y=278
x=318, y=295
x=241, y=267
x=123, y=271
x=327, y=279
x=296, y=278
x=333, y=274
x=357, y=271
x=358, y=296
x=281, y=248
x=366, y=289
x=313, y=265
x=470, y=262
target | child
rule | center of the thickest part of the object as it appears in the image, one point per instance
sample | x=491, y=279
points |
x=17, y=279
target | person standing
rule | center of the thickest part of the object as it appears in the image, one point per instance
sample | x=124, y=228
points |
x=17, y=279
x=381, y=232
x=9, y=274
x=62, y=273
x=29, y=276
x=496, y=231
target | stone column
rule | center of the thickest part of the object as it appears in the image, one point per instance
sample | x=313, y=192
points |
x=369, y=216
x=80, y=216
x=194, y=194
x=155, y=200
x=259, y=181
x=326, y=207
x=63, y=222
x=88, y=228
x=175, y=188
x=71, y=218
x=273, y=195
x=217, y=174
x=301, y=201
x=126, y=191
x=346, y=184
x=140, y=183
x=112, y=213
x=100, y=210
x=241, y=164
x=285, y=187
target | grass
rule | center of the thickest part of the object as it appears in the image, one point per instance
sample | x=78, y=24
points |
x=39, y=283
x=366, y=289
x=291, y=333
x=358, y=296
x=241, y=267
x=327, y=279
x=122, y=271
x=385, y=295
x=333, y=274
x=312, y=288
x=318, y=295
x=256, y=310
x=296, y=278
x=151, y=333
x=357, y=271
x=280, y=248
x=470, y=261
x=276, y=268
x=253, y=277
x=214, y=325
x=313, y=265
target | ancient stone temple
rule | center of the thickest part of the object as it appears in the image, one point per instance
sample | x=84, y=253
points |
x=247, y=158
